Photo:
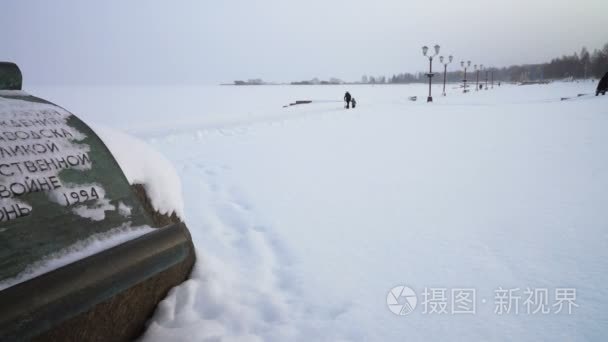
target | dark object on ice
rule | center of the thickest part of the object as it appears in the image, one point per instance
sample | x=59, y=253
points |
x=347, y=98
x=353, y=102
x=412, y=98
x=602, y=86
x=109, y=295
x=573, y=97
x=10, y=76
x=298, y=102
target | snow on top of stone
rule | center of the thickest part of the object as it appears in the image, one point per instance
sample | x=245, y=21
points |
x=143, y=165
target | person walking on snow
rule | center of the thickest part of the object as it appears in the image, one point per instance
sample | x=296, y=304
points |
x=353, y=102
x=347, y=98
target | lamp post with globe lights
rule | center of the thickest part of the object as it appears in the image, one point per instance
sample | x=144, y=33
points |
x=481, y=68
x=465, y=66
x=445, y=69
x=430, y=75
x=477, y=70
x=486, y=78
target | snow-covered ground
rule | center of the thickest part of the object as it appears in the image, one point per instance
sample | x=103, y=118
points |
x=306, y=217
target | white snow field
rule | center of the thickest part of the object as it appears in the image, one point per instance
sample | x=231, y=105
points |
x=304, y=218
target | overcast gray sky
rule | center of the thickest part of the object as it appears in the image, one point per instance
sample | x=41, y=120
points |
x=185, y=42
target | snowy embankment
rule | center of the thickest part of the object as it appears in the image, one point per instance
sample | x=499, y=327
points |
x=304, y=218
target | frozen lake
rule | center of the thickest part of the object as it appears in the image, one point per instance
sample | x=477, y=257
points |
x=306, y=217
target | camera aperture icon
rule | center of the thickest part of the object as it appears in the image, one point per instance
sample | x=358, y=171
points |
x=401, y=300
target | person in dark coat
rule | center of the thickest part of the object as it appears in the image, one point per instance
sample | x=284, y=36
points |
x=353, y=102
x=602, y=87
x=347, y=98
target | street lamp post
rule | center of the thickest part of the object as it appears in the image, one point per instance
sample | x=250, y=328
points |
x=430, y=75
x=476, y=77
x=445, y=69
x=486, y=79
x=465, y=66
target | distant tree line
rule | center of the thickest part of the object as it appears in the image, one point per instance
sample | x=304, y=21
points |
x=583, y=64
x=316, y=81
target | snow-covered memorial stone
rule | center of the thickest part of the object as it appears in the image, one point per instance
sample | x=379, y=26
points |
x=83, y=254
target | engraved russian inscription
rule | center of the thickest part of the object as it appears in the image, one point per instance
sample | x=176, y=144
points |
x=35, y=146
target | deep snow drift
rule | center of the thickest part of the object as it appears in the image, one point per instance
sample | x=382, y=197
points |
x=306, y=217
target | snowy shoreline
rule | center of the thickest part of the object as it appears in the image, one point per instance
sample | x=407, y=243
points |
x=305, y=218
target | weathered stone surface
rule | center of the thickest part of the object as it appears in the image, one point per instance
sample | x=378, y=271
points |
x=79, y=299
x=59, y=184
x=124, y=316
x=10, y=76
x=160, y=220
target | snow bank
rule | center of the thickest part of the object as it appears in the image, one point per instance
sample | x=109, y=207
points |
x=94, y=244
x=143, y=165
x=237, y=290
